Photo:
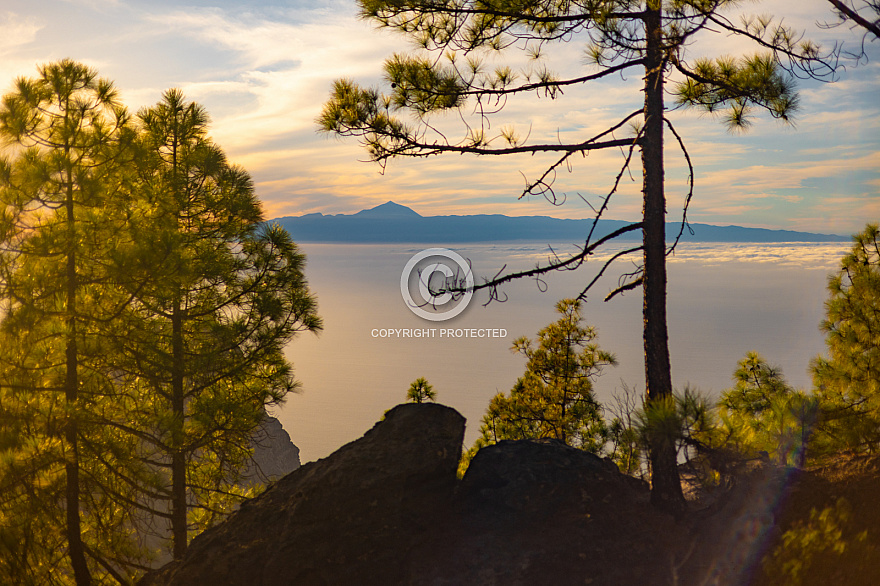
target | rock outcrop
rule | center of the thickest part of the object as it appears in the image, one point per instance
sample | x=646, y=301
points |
x=350, y=518
x=540, y=512
x=388, y=510
x=274, y=455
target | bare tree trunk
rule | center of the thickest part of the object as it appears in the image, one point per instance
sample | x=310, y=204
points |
x=665, y=483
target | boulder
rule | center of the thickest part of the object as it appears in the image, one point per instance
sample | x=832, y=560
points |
x=533, y=476
x=350, y=518
x=540, y=512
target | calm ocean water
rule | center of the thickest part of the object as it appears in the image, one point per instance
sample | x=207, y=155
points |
x=724, y=300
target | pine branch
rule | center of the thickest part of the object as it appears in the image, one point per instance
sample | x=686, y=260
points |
x=846, y=11
x=567, y=264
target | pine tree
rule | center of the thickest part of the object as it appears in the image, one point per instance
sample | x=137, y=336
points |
x=67, y=130
x=32, y=479
x=849, y=379
x=145, y=309
x=652, y=37
x=420, y=391
x=215, y=296
x=554, y=398
x=763, y=413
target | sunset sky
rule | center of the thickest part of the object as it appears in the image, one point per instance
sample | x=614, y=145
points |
x=263, y=69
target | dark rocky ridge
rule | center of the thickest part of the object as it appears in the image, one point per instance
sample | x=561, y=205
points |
x=387, y=509
x=343, y=519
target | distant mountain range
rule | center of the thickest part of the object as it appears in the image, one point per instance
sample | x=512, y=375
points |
x=394, y=223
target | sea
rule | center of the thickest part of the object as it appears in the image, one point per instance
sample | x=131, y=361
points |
x=724, y=300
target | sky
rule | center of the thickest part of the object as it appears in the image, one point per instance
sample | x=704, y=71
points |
x=263, y=70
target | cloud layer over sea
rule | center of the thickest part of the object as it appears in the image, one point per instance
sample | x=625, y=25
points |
x=789, y=254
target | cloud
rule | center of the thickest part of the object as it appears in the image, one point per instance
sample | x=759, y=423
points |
x=256, y=41
x=841, y=214
x=280, y=75
x=16, y=30
x=814, y=256
x=785, y=254
x=16, y=33
x=759, y=181
x=93, y=4
x=281, y=71
x=263, y=72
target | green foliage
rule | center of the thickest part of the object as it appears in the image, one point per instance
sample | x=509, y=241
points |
x=677, y=421
x=68, y=136
x=213, y=299
x=826, y=540
x=849, y=379
x=554, y=398
x=736, y=83
x=420, y=391
x=757, y=384
x=684, y=423
x=32, y=476
x=763, y=416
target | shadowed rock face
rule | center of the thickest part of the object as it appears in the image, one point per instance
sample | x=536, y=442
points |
x=540, y=512
x=347, y=519
x=387, y=509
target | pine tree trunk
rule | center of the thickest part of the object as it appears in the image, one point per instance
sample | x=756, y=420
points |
x=71, y=384
x=178, y=456
x=665, y=484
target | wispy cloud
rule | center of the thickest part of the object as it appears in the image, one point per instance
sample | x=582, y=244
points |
x=759, y=181
x=282, y=71
x=93, y=4
x=16, y=30
x=263, y=72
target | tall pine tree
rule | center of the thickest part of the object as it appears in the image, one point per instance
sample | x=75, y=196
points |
x=66, y=128
x=216, y=295
x=849, y=378
x=651, y=38
x=145, y=309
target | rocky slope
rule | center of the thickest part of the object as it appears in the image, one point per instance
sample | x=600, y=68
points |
x=387, y=509
x=350, y=518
